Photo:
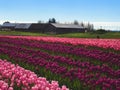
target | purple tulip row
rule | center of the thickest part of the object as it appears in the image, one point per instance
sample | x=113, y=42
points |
x=80, y=73
x=15, y=76
x=105, y=68
x=112, y=59
x=95, y=54
x=59, y=59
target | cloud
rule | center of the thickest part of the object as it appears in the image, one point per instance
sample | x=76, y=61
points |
x=107, y=25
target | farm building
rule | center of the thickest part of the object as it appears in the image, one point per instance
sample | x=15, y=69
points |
x=38, y=27
x=63, y=28
x=33, y=27
x=28, y=27
x=22, y=26
x=8, y=26
x=52, y=28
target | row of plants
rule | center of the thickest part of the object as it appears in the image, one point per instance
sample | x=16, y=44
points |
x=23, y=53
x=14, y=77
x=103, y=43
x=110, y=59
x=64, y=61
x=44, y=68
x=87, y=74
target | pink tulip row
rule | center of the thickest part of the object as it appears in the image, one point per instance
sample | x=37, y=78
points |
x=15, y=76
x=4, y=85
x=103, y=43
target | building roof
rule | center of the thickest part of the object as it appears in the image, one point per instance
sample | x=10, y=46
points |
x=23, y=26
x=66, y=25
x=17, y=25
x=9, y=24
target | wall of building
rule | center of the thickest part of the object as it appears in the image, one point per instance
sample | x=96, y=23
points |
x=37, y=28
x=68, y=30
x=50, y=29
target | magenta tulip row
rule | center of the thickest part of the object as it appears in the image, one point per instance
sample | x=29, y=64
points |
x=84, y=74
x=18, y=44
x=103, y=43
x=110, y=58
x=12, y=75
x=59, y=59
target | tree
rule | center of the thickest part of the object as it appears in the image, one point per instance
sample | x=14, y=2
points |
x=90, y=27
x=53, y=20
x=76, y=22
x=82, y=24
x=50, y=21
x=6, y=22
x=101, y=31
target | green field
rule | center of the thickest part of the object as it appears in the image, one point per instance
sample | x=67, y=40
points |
x=70, y=35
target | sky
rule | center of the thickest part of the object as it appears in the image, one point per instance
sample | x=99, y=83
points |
x=105, y=13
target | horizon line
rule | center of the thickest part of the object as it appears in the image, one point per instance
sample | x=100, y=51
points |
x=97, y=25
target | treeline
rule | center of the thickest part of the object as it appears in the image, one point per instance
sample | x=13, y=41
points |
x=88, y=25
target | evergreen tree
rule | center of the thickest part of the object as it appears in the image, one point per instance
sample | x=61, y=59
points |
x=76, y=22
x=53, y=20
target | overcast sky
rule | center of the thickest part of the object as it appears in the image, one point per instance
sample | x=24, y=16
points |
x=104, y=12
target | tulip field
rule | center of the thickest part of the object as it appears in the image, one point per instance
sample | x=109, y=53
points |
x=52, y=63
x=15, y=76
